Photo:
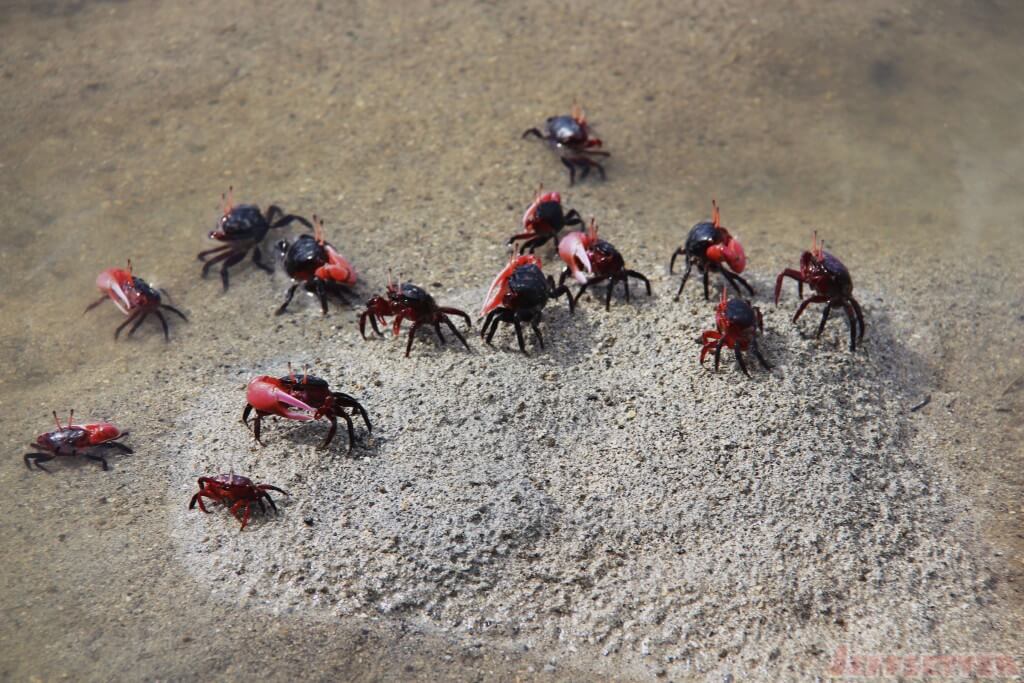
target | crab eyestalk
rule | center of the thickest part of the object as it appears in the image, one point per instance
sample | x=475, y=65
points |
x=228, y=199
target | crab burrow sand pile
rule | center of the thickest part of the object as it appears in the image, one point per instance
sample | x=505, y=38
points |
x=608, y=500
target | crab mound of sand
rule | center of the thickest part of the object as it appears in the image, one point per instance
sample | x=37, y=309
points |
x=608, y=496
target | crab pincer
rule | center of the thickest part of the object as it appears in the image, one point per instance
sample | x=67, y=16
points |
x=302, y=398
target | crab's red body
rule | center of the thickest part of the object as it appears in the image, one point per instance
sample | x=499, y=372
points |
x=134, y=297
x=833, y=286
x=737, y=325
x=575, y=141
x=712, y=248
x=303, y=398
x=519, y=294
x=314, y=263
x=75, y=440
x=406, y=301
x=591, y=260
x=236, y=492
x=543, y=220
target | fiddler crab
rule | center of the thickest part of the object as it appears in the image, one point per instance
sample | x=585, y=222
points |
x=406, y=301
x=543, y=220
x=832, y=284
x=303, y=398
x=236, y=492
x=737, y=324
x=591, y=260
x=712, y=248
x=518, y=295
x=572, y=137
x=315, y=264
x=75, y=440
x=134, y=297
x=242, y=227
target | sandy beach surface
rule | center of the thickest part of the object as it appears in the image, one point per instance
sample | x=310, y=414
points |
x=604, y=508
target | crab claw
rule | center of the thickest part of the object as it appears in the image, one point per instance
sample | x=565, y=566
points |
x=115, y=282
x=337, y=269
x=730, y=251
x=265, y=394
x=499, y=287
x=573, y=250
x=101, y=432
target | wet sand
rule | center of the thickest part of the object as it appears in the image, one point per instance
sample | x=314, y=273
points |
x=682, y=523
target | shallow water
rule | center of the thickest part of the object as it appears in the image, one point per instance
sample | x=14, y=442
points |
x=893, y=130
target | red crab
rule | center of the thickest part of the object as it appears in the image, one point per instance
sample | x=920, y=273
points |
x=303, y=398
x=712, y=248
x=404, y=301
x=519, y=294
x=242, y=227
x=543, y=220
x=72, y=440
x=134, y=297
x=571, y=136
x=236, y=491
x=591, y=260
x=738, y=323
x=314, y=263
x=832, y=284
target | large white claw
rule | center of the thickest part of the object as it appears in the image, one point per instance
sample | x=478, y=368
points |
x=572, y=249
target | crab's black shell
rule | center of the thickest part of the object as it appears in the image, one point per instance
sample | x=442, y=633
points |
x=61, y=439
x=244, y=222
x=411, y=295
x=550, y=214
x=566, y=130
x=740, y=313
x=529, y=286
x=304, y=256
x=147, y=292
x=304, y=381
x=701, y=236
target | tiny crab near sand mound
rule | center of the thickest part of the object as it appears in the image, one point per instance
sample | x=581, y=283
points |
x=712, y=248
x=406, y=301
x=134, y=297
x=737, y=324
x=242, y=227
x=236, y=492
x=591, y=260
x=571, y=136
x=543, y=220
x=75, y=440
x=315, y=264
x=303, y=398
x=832, y=284
x=518, y=295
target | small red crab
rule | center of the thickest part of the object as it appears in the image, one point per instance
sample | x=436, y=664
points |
x=72, y=440
x=712, y=248
x=738, y=323
x=591, y=260
x=571, y=136
x=543, y=220
x=407, y=301
x=315, y=264
x=519, y=294
x=134, y=297
x=831, y=281
x=303, y=398
x=243, y=227
x=236, y=491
